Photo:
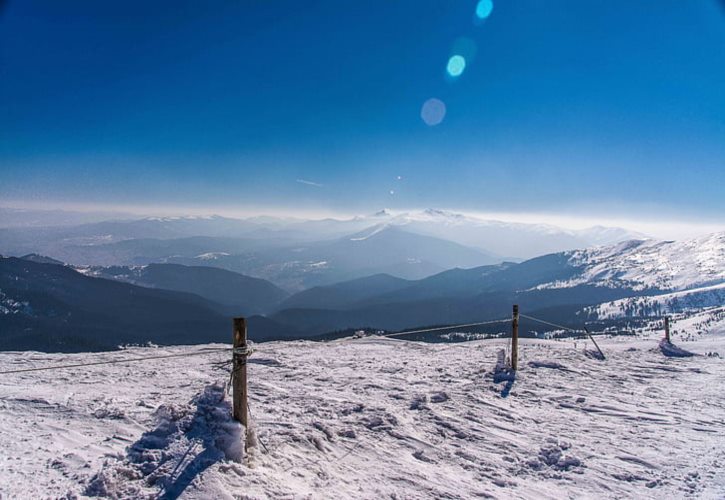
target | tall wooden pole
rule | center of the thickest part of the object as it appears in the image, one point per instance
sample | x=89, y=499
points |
x=239, y=365
x=667, y=329
x=515, y=339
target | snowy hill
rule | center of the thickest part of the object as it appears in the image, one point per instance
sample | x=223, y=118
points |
x=650, y=264
x=372, y=418
x=684, y=301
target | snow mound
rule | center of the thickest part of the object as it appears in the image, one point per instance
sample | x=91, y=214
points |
x=187, y=440
x=672, y=351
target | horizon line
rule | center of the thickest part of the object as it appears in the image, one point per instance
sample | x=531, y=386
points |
x=673, y=228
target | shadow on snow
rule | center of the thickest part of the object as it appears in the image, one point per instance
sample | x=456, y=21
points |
x=185, y=442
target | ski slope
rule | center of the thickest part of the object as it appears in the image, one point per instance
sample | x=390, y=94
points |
x=372, y=418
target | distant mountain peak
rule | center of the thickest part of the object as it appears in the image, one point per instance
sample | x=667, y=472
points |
x=174, y=218
x=41, y=259
x=435, y=212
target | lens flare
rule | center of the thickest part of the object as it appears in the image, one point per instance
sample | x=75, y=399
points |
x=484, y=8
x=433, y=112
x=456, y=65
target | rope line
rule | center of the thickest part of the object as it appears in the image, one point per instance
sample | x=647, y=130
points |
x=249, y=351
x=549, y=323
x=437, y=329
x=116, y=361
x=585, y=329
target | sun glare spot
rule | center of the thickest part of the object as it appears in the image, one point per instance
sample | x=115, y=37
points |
x=456, y=65
x=484, y=8
x=433, y=111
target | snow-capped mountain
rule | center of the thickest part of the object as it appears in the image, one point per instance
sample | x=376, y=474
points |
x=507, y=239
x=629, y=273
x=650, y=264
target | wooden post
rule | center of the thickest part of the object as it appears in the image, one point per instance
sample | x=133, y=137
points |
x=594, y=342
x=515, y=339
x=667, y=329
x=239, y=365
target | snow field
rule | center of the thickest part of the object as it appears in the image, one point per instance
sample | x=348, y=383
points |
x=373, y=418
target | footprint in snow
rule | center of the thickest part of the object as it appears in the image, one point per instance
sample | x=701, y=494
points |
x=439, y=397
x=552, y=456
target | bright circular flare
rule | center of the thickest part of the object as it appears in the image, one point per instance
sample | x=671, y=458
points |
x=433, y=112
x=484, y=8
x=456, y=65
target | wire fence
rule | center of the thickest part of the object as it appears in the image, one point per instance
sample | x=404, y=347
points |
x=211, y=350
x=585, y=329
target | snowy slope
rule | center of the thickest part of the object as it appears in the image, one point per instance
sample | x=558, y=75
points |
x=650, y=264
x=373, y=418
x=657, y=305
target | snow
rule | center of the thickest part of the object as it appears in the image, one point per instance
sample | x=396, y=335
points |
x=373, y=418
x=182, y=218
x=671, y=350
x=8, y=305
x=211, y=255
x=651, y=264
x=370, y=232
x=682, y=301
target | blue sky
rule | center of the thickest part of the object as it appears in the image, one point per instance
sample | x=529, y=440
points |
x=592, y=108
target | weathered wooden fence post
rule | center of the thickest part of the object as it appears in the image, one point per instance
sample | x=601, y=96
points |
x=239, y=367
x=515, y=339
x=667, y=329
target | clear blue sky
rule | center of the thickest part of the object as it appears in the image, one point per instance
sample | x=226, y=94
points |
x=568, y=106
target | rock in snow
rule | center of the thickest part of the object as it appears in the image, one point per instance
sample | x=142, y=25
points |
x=371, y=418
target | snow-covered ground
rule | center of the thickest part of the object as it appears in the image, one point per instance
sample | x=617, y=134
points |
x=373, y=418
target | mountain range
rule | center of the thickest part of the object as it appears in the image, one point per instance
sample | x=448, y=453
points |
x=46, y=305
x=563, y=285
x=297, y=254
x=236, y=294
x=53, y=307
